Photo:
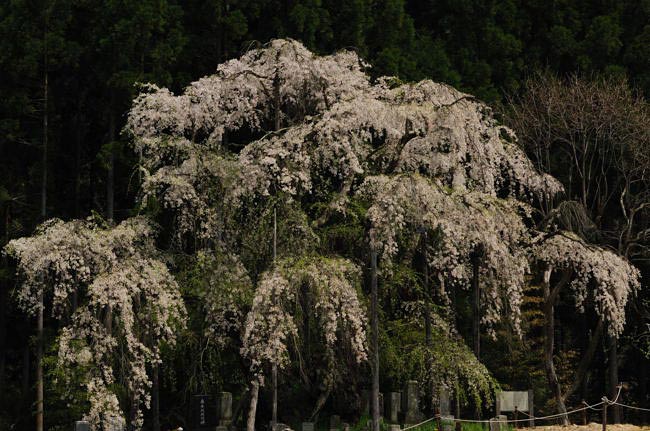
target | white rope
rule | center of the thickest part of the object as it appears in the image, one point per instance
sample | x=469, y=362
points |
x=421, y=423
x=620, y=387
x=555, y=416
x=633, y=407
x=536, y=418
x=596, y=410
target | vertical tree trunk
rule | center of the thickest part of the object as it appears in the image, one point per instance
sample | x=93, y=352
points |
x=4, y=289
x=643, y=387
x=374, y=310
x=613, y=377
x=39, y=367
x=549, y=340
x=155, y=398
x=44, y=152
x=476, y=324
x=274, y=370
x=41, y=305
x=77, y=166
x=250, y=423
x=26, y=369
x=427, y=302
x=110, y=179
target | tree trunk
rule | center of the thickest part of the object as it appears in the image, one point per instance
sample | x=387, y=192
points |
x=44, y=152
x=26, y=369
x=41, y=305
x=39, y=366
x=155, y=398
x=110, y=178
x=549, y=339
x=250, y=423
x=613, y=377
x=427, y=304
x=476, y=327
x=375, y=341
x=3, y=332
x=4, y=289
x=585, y=362
x=643, y=387
x=77, y=166
x=274, y=370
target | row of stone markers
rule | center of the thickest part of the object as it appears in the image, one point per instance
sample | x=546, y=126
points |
x=395, y=408
x=214, y=413
x=209, y=413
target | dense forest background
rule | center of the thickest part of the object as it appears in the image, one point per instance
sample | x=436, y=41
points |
x=68, y=74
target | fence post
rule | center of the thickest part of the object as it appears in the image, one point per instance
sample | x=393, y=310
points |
x=516, y=415
x=531, y=408
x=584, y=413
x=605, y=403
x=438, y=421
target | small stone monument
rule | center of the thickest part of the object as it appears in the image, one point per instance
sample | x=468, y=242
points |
x=411, y=403
x=335, y=422
x=447, y=422
x=445, y=404
x=203, y=412
x=224, y=408
x=393, y=407
x=499, y=423
x=307, y=426
x=82, y=426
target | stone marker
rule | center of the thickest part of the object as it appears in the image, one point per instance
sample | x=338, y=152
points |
x=394, y=406
x=445, y=404
x=204, y=414
x=394, y=427
x=411, y=403
x=499, y=423
x=335, y=422
x=307, y=426
x=224, y=408
x=447, y=422
x=82, y=426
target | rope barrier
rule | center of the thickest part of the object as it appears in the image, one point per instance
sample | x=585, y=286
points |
x=605, y=400
x=596, y=410
x=633, y=407
x=555, y=416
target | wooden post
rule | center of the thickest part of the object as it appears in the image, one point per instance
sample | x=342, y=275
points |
x=531, y=408
x=516, y=416
x=438, y=421
x=605, y=414
x=584, y=413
